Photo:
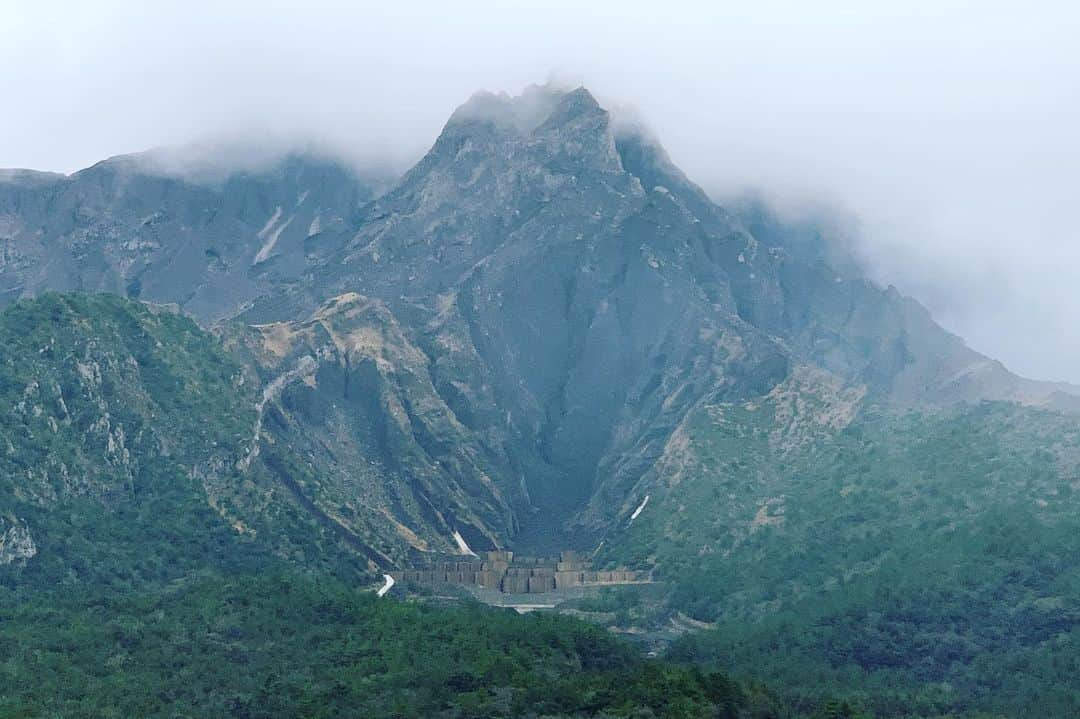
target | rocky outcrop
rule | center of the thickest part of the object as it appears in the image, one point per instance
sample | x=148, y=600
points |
x=16, y=544
x=350, y=391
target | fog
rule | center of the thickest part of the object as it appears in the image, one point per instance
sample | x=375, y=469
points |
x=948, y=129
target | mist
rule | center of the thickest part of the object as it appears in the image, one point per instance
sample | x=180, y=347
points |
x=947, y=129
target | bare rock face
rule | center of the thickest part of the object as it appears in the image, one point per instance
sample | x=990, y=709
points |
x=16, y=544
x=354, y=396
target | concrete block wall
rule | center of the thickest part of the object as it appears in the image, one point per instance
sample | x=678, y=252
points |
x=540, y=583
x=568, y=579
x=524, y=575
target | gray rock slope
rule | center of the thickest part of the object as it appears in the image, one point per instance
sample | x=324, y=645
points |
x=128, y=226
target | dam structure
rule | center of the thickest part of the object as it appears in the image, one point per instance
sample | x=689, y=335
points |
x=504, y=572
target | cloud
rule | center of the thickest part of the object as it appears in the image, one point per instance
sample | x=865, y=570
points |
x=947, y=128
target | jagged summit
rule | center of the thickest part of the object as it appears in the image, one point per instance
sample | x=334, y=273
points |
x=577, y=134
x=524, y=113
x=547, y=123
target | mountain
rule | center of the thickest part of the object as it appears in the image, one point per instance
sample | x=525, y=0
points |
x=158, y=558
x=516, y=329
x=543, y=335
x=576, y=296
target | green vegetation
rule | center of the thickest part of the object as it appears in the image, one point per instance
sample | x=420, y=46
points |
x=119, y=452
x=286, y=645
x=921, y=564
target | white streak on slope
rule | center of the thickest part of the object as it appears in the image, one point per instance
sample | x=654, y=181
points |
x=640, y=507
x=270, y=223
x=386, y=587
x=305, y=366
x=271, y=241
x=462, y=544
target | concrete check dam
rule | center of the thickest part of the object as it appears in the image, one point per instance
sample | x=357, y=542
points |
x=510, y=574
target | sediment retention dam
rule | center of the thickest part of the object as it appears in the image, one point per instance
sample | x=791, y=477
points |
x=503, y=571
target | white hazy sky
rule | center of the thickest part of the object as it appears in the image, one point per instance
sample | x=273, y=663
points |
x=950, y=129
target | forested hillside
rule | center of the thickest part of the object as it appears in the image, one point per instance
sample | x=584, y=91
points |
x=127, y=440
x=927, y=558
x=285, y=645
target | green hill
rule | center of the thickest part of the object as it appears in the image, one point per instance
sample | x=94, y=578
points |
x=121, y=449
x=283, y=645
x=927, y=562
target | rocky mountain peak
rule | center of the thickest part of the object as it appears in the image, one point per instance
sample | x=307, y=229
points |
x=521, y=113
x=537, y=105
x=552, y=125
